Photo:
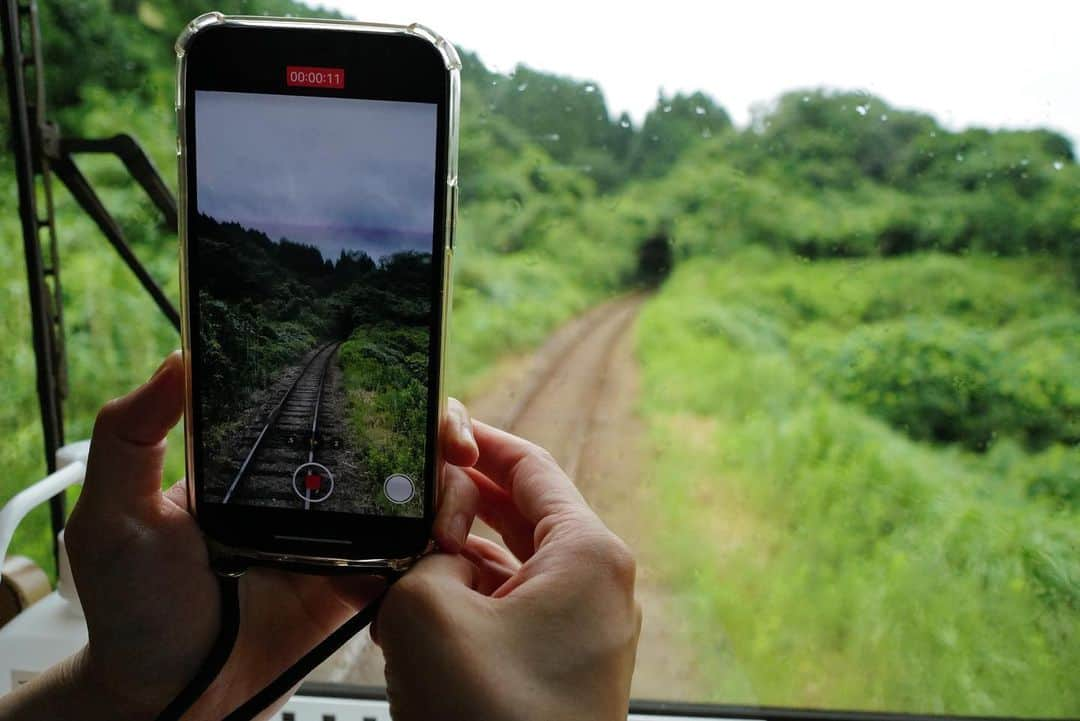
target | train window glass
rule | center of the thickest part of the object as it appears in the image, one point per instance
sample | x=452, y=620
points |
x=792, y=290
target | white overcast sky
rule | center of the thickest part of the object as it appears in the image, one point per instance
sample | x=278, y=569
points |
x=994, y=64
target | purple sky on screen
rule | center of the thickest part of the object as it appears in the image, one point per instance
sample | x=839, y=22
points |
x=336, y=173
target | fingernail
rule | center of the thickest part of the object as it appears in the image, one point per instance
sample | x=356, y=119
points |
x=160, y=367
x=457, y=528
x=467, y=430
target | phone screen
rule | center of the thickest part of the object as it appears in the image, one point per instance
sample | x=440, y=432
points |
x=313, y=234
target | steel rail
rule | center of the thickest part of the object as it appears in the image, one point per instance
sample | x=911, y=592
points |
x=271, y=420
x=315, y=421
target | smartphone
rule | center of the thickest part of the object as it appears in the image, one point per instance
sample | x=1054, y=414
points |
x=318, y=195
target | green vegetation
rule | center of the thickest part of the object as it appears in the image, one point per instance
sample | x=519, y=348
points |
x=385, y=361
x=116, y=337
x=386, y=378
x=942, y=381
x=862, y=387
x=263, y=305
x=839, y=560
x=862, y=380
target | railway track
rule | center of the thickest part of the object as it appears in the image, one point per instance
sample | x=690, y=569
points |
x=282, y=463
x=574, y=397
x=569, y=371
x=581, y=374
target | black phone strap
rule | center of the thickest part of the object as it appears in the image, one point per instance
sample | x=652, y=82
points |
x=229, y=582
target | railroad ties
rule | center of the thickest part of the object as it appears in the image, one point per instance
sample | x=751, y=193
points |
x=287, y=439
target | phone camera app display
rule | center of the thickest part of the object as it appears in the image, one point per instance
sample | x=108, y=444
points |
x=312, y=244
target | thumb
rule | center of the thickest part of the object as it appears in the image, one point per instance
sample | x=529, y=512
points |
x=127, y=450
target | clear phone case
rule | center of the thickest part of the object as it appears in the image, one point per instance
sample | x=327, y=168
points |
x=452, y=62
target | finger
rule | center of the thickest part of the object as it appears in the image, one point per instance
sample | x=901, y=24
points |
x=495, y=565
x=458, y=442
x=457, y=509
x=439, y=570
x=128, y=445
x=489, y=577
x=538, y=486
x=491, y=551
x=497, y=509
x=177, y=493
x=436, y=584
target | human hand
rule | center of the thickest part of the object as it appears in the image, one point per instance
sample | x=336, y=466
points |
x=547, y=632
x=150, y=597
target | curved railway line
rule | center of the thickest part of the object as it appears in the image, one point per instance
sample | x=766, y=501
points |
x=289, y=438
x=577, y=396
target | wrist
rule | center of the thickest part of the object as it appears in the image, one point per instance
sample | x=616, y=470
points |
x=67, y=690
x=102, y=690
x=79, y=689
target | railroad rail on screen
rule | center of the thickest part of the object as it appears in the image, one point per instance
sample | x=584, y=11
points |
x=287, y=445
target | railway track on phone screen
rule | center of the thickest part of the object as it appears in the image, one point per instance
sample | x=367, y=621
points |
x=282, y=465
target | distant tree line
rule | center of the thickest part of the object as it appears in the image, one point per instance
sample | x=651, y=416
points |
x=822, y=173
x=265, y=303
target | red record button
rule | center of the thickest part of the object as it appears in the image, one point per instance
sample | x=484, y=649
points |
x=302, y=76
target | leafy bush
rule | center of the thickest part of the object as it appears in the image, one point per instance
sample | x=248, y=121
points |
x=1054, y=475
x=941, y=381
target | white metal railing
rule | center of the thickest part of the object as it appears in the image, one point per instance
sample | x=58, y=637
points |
x=71, y=469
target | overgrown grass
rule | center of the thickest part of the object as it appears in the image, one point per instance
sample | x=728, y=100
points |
x=831, y=559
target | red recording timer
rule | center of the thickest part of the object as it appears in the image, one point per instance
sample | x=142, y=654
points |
x=307, y=77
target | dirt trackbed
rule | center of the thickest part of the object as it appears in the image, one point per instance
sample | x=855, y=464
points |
x=577, y=396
